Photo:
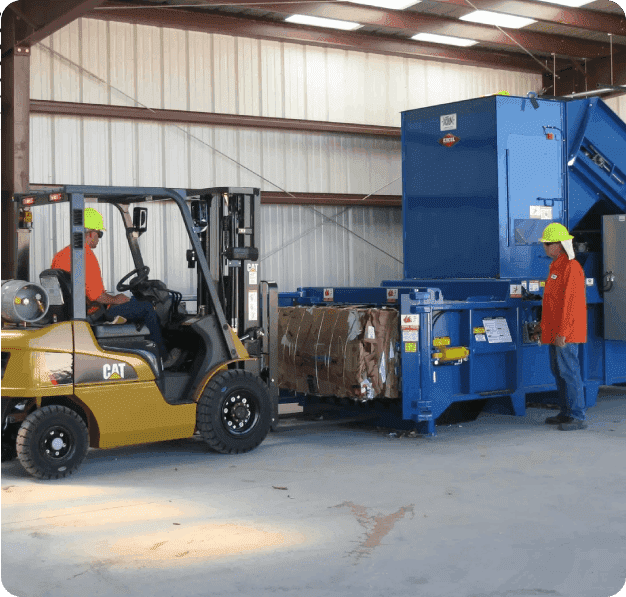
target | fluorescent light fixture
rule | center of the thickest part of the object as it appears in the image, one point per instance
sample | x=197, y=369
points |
x=571, y=3
x=487, y=17
x=444, y=39
x=320, y=22
x=398, y=4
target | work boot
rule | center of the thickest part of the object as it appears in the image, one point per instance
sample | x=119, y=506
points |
x=558, y=420
x=172, y=358
x=574, y=424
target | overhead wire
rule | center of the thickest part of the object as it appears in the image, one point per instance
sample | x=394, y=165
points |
x=82, y=69
x=519, y=44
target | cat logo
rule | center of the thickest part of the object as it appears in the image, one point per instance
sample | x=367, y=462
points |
x=113, y=371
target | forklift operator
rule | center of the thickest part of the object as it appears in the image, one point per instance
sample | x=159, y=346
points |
x=130, y=309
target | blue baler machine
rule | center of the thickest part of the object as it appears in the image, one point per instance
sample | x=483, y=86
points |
x=481, y=180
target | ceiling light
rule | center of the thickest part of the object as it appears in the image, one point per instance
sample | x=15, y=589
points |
x=444, y=39
x=571, y=3
x=320, y=22
x=397, y=4
x=487, y=17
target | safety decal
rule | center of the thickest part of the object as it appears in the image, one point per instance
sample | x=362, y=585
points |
x=392, y=295
x=449, y=140
x=533, y=286
x=410, y=347
x=553, y=276
x=516, y=290
x=589, y=281
x=479, y=330
x=329, y=294
x=253, y=305
x=542, y=283
x=410, y=322
x=253, y=274
x=442, y=341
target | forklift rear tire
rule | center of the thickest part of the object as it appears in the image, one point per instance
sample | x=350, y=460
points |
x=234, y=412
x=52, y=442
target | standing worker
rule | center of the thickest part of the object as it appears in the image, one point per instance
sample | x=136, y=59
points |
x=564, y=325
x=119, y=304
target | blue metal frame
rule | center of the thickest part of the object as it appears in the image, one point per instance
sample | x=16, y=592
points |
x=471, y=226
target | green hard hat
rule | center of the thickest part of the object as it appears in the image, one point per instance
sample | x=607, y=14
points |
x=555, y=233
x=93, y=219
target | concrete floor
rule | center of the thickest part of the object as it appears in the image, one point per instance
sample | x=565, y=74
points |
x=500, y=507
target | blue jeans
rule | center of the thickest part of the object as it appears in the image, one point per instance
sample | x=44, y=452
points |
x=566, y=369
x=141, y=312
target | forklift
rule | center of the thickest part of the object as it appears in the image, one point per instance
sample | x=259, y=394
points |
x=73, y=380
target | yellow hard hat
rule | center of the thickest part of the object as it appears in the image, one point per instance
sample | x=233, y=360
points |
x=93, y=219
x=555, y=233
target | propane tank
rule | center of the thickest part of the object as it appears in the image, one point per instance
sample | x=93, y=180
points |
x=23, y=301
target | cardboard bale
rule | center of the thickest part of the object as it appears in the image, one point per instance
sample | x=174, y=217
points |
x=332, y=351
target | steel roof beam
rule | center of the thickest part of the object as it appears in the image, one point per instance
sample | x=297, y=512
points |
x=579, y=18
x=361, y=42
x=423, y=23
x=44, y=18
x=83, y=110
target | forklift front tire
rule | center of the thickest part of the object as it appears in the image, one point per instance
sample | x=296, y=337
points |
x=234, y=412
x=52, y=442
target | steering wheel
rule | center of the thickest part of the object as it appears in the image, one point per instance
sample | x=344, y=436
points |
x=141, y=276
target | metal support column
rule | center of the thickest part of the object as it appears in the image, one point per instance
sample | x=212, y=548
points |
x=15, y=144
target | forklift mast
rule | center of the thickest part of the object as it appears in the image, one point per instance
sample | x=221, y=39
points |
x=225, y=219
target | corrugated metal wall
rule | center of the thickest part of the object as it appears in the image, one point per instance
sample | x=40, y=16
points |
x=165, y=68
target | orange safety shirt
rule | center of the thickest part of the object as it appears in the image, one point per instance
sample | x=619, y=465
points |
x=564, y=311
x=93, y=276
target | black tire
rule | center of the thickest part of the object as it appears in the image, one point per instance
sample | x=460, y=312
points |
x=52, y=442
x=234, y=412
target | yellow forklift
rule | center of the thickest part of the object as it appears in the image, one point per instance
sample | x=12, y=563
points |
x=73, y=380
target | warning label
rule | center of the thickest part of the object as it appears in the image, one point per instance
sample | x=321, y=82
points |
x=410, y=328
x=329, y=294
x=253, y=275
x=392, y=295
x=410, y=322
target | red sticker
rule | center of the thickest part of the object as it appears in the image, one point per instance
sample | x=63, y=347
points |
x=449, y=140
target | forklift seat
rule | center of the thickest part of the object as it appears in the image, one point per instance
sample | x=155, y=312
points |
x=61, y=307
x=64, y=311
